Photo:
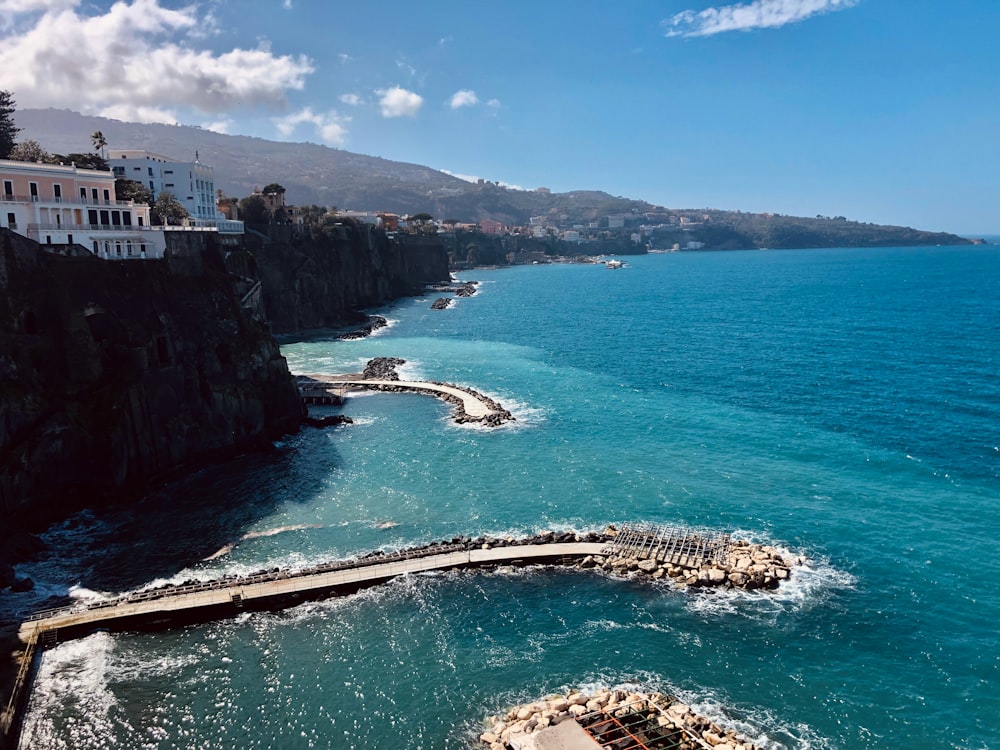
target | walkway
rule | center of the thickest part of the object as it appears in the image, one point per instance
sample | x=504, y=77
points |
x=472, y=405
x=223, y=598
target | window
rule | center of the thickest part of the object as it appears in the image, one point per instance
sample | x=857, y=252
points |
x=107, y=196
x=97, y=248
x=140, y=221
x=12, y=221
x=127, y=218
x=136, y=169
x=58, y=220
x=83, y=195
x=33, y=190
x=150, y=170
x=93, y=193
x=57, y=193
x=168, y=171
x=8, y=187
x=48, y=239
x=105, y=219
x=69, y=239
x=116, y=218
x=92, y=217
x=118, y=249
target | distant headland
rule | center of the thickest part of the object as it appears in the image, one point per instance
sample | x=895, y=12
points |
x=534, y=220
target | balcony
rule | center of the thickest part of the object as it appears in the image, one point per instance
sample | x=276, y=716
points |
x=63, y=201
x=90, y=228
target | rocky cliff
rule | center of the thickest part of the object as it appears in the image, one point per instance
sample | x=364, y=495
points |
x=324, y=278
x=114, y=373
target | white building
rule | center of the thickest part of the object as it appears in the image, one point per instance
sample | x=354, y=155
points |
x=59, y=205
x=191, y=183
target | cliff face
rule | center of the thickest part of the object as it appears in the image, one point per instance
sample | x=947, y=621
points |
x=323, y=280
x=112, y=373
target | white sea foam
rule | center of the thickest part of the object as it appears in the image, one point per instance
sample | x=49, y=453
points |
x=810, y=584
x=71, y=705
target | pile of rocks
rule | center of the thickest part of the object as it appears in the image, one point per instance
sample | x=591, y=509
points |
x=748, y=566
x=374, y=323
x=383, y=368
x=466, y=289
x=441, y=303
x=510, y=730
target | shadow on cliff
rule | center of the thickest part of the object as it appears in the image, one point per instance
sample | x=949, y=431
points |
x=177, y=526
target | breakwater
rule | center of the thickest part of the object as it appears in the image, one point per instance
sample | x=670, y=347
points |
x=702, y=559
x=609, y=718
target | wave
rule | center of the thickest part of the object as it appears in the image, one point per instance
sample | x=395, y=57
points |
x=71, y=705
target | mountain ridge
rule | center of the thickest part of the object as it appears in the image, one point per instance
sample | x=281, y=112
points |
x=326, y=176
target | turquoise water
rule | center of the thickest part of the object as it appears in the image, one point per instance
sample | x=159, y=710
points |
x=842, y=404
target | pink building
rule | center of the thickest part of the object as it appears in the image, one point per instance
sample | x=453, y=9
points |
x=489, y=226
x=59, y=205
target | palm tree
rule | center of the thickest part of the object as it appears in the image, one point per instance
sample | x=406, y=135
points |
x=99, y=142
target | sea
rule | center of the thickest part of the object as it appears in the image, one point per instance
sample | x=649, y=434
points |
x=840, y=404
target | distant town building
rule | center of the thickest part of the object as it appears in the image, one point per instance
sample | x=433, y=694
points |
x=191, y=183
x=489, y=226
x=64, y=205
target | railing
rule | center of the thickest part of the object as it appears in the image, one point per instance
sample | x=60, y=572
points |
x=91, y=227
x=14, y=198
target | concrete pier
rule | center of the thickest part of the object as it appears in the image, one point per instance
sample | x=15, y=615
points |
x=471, y=406
x=217, y=599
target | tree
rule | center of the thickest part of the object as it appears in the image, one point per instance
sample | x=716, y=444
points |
x=29, y=151
x=253, y=210
x=8, y=130
x=167, y=210
x=272, y=189
x=132, y=190
x=84, y=161
x=99, y=141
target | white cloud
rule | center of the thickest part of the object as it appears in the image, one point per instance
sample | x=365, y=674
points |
x=467, y=177
x=464, y=98
x=133, y=113
x=759, y=14
x=329, y=126
x=136, y=58
x=286, y=4
x=493, y=104
x=219, y=126
x=351, y=100
x=398, y=102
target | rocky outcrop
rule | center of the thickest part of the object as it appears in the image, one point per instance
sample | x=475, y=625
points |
x=323, y=279
x=441, y=303
x=747, y=566
x=610, y=715
x=383, y=368
x=374, y=323
x=114, y=373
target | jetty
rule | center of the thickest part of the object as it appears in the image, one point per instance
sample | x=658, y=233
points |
x=197, y=602
x=470, y=405
x=685, y=557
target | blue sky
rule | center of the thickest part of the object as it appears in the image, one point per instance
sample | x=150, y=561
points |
x=879, y=110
